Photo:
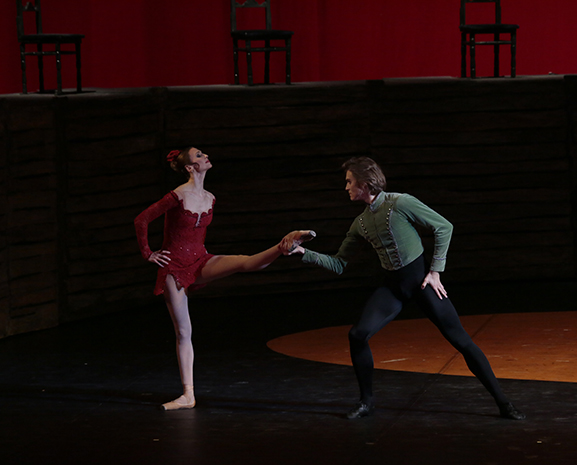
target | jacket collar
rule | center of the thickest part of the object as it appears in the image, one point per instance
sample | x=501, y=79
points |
x=379, y=199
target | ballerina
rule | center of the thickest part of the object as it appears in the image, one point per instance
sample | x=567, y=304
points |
x=183, y=261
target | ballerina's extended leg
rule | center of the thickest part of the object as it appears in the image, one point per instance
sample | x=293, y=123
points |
x=176, y=298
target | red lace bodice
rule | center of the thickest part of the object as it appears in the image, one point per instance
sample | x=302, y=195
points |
x=184, y=234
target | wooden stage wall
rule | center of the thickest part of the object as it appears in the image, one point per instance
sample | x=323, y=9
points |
x=495, y=156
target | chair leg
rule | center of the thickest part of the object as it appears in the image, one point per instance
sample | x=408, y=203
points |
x=40, y=69
x=78, y=69
x=249, y=62
x=23, y=66
x=513, y=54
x=288, y=60
x=496, y=57
x=473, y=60
x=266, y=62
x=58, y=70
x=463, y=54
x=235, y=58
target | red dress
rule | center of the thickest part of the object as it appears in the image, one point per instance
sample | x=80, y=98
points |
x=184, y=234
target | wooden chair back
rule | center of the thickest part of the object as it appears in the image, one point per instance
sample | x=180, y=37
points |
x=235, y=4
x=28, y=7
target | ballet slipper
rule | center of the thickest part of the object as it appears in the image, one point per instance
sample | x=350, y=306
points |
x=185, y=401
x=302, y=236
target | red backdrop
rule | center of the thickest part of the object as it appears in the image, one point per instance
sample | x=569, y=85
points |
x=136, y=43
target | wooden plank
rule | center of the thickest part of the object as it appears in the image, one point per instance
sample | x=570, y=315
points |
x=520, y=136
x=267, y=134
x=31, y=116
x=113, y=126
x=119, y=149
x=495, y=90
x=476, y=154
x=467, y=104
x=100, y=281
x=32, y=318
x=38, y=266
x=116, y=181
x=101, y=106
x=25, y=295
x=231, y=96
x=103, y=201
x=104, y=264
x=222, y=151
x=254, y=117
x=443, y=123
x=4, y=177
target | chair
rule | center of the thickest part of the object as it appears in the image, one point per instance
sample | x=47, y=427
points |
x=265, y=35
x=40, y=39
x=496, y=28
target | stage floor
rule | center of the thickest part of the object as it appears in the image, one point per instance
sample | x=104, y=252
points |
x=88, y=392
x=532, y=346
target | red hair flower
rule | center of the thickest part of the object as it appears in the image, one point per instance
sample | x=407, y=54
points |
x=173, y=155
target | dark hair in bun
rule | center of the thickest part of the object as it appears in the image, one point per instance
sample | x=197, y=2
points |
x=179, y=159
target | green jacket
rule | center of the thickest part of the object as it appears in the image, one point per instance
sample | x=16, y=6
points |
x=388, y=225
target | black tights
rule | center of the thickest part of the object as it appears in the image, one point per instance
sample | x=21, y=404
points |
x=386, y=303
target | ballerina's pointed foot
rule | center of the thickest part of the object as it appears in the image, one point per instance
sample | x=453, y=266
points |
x=511, y=412
x=300, y=237
x=183, y=402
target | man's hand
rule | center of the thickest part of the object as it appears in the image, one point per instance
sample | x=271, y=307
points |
x=433, y=279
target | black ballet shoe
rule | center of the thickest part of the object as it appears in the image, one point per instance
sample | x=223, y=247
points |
x=304, y=237
x=511, y=412
x=362, y=409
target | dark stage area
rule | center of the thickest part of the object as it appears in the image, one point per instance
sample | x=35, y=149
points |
x=496, y=157
x=88, y=391
x=87, y=353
